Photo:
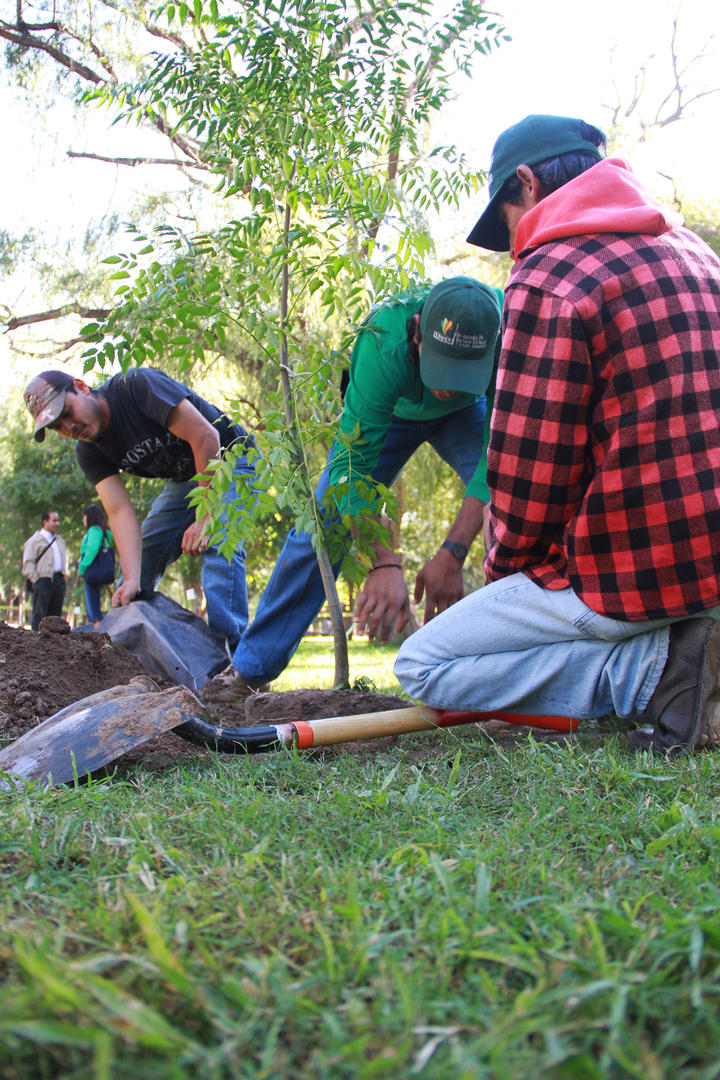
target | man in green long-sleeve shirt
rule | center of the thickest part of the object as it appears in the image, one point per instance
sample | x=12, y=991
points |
x=388, y=381
x=419, y=372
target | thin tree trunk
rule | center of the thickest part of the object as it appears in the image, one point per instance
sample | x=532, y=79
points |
x=340, y=646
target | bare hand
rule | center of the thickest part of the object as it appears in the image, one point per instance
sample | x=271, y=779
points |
x=125, y=593
x=193, y=541
x=442, y=583
x=383, y=605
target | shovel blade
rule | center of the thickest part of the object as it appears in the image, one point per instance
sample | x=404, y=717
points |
x=96, y=730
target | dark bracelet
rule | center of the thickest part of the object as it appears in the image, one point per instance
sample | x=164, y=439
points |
x=384, y=565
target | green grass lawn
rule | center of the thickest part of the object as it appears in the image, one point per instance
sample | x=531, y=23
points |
x=312, y=665
x=440, y=906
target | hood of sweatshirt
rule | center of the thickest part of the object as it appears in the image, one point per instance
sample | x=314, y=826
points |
x=605, y=199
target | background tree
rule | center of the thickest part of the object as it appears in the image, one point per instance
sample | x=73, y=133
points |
x=667, y=89
x=53, y=53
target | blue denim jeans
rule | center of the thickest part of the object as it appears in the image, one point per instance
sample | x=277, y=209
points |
x=517, y=647
x=223, y=582
x=92, y=602
x=294, y=594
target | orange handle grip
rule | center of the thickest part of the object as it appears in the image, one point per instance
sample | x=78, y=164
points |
x=449, y=718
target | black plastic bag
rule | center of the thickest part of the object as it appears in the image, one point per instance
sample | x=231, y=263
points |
x=170, y=641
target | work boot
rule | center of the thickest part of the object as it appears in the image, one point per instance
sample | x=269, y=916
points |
x=229, y=687
x=684, y=711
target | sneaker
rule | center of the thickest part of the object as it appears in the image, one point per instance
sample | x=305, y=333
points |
x=230, y=686
x=684, y=711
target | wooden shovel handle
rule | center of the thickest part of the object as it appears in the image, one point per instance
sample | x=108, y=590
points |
x=336, y=729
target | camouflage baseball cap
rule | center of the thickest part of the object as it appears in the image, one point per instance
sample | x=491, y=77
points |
x=45, y=398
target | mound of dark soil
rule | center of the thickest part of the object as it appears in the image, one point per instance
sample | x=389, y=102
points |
x=42, y=673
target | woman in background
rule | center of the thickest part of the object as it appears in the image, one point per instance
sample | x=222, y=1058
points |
x=97, y=536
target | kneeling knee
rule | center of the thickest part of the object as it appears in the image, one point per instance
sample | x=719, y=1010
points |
x=411, y=667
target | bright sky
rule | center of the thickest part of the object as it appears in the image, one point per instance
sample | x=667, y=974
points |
x=578, y=58
x=567, y=56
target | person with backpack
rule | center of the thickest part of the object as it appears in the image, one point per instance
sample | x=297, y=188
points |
x=97, y=560
x=44, y=566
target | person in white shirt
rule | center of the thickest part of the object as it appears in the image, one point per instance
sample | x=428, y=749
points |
x=45, y=565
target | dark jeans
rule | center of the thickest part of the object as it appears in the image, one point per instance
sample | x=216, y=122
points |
x=48, y=595
x=223, y=582
x=93, y=595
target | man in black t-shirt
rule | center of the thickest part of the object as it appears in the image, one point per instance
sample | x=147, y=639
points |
x=149, y=424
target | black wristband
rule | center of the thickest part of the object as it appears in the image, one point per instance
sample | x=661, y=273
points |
x=458, y=550
x=384, y=566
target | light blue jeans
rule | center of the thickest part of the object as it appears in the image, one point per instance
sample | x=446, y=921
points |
x=223, y=582
x=294, y=594
x=516, y=647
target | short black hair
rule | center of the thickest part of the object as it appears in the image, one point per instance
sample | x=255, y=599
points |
x=414, y=337
x=554, y=172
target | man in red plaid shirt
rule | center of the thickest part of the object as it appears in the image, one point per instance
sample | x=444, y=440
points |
x=603, y=535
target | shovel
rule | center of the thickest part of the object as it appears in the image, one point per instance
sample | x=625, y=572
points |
x=337, y=729
x=99, y=729
x=95, y=731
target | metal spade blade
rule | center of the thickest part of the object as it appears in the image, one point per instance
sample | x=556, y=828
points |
x=96, y=730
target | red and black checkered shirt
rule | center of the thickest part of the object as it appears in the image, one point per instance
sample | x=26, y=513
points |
x=604, y=456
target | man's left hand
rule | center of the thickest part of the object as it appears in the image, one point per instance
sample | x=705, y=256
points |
x=194, y=542
x=383, y=605
x=125, y=593
x=441, y=581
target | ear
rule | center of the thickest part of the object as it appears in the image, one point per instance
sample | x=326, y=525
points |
x=80, y=387
x=416, y=320
x=533, y=189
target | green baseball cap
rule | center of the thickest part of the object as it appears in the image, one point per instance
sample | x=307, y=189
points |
x=534, y=139
x=460, y=322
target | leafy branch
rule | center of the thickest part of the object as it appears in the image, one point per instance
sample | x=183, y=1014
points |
x=315, y=124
